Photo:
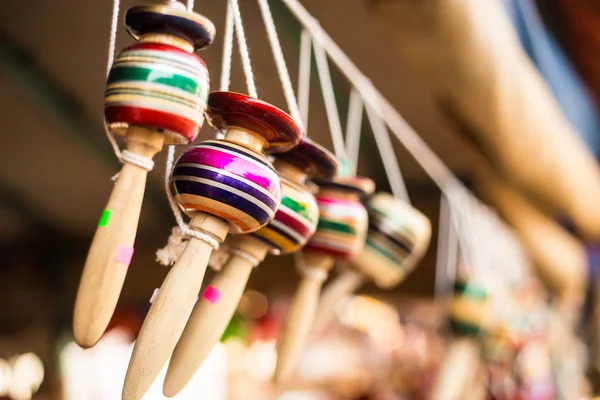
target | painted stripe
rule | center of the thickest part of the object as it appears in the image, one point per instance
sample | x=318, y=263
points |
x=235, y=164
x=206, y=184
x=158, y=90
x=241, y=222
x=393, y=237
x=147, y=102
x=329, y=225
x=195, y=104
x=295, y=221
x=155, y=75
x=238, y=150
x=175, y=52
x=298, y=208
x=377, y=248
x=225, y=192
x=223, y=176
x=287, y=228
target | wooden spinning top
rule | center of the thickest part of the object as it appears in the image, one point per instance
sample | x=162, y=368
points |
x=156, y=93
x=223, y=186
x=398, y=238
x=293, y=225
x=468, y=319
x=341, y=233
x=468, y=309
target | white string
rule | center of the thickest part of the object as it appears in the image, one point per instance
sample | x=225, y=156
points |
x=282, y=69
x=169, y=254
x=333, y=117
x=304, y=76
x=227, y=50
x=243, y=47
x=445, y=268
x=353, y=129
x=190, y=5
x=109, y=62
x=227, y=54
x=386, y=150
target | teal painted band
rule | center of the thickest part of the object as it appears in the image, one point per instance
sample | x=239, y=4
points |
x=122, y=74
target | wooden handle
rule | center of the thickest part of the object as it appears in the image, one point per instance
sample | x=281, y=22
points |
x=210, y=317
x=346, y=283
x=457, y=372
x=169, y=312
x=112, y=247
x=299, y=321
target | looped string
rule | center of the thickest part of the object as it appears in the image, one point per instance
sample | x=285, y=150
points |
x=282, y=69
x=169, y=254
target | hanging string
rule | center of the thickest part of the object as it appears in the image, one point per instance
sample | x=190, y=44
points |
x=190, y=5
x=386, y=148
x=282, y=69
x=243, y=47
x=445, y=267
x=304, y=76
x=182, y=232
x=333, y=117
x=353, y=129
x=227, y=50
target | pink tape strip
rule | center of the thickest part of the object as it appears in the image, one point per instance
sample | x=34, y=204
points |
x=124, y=254
x=211, y=294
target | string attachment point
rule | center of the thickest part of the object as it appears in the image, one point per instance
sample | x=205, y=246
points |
x=177, y=241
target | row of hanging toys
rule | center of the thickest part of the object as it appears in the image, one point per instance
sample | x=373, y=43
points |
x=379, y=237
x=486, y=311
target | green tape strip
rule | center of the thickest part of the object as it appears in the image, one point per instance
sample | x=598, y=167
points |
x=104, y=218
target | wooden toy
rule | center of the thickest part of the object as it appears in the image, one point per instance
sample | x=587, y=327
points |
x=398, y=238
x=293, y=225
x=467, y=320
x=341, y=233
x=223, y=186
x=156, y=93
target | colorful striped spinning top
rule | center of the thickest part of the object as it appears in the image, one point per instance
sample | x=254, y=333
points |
x=156, y=93
x=223, y=186
x=398, y=237
x=341, y=233
x=294, y=223
x=468, y=309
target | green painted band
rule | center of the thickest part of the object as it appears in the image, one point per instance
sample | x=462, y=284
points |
x=325, y=224
x=296, y=207
x=161, y=96
x=181, y=82
x=462, y=328
x=469, y=290
x=377, y=248
x=104, y=218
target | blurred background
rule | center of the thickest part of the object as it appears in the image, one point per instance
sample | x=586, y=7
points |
x=56, y=165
